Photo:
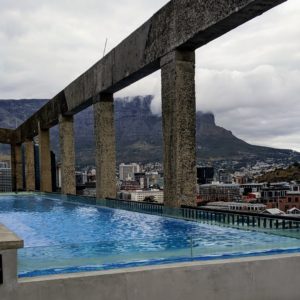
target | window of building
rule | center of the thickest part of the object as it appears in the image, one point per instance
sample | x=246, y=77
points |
x=289, y=199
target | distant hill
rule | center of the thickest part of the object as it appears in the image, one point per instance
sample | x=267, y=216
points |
x=292, y=173
x=139, y=134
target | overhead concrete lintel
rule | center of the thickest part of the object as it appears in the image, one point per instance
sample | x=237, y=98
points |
x=186, y=56
x=7, y=136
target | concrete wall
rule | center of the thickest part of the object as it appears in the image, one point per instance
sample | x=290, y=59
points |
x=263, y=278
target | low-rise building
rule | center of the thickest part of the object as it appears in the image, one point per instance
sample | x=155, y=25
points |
x=219, y=192
x=274, y=191
x=130, y=186
x=274, y=212
x=156, y=195
x=248, y=188
x=294, y=212
x=290, y=201
x=142, y=195
x=236, y=206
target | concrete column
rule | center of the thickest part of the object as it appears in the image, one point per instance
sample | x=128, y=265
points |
x=16, y=167
x=105, y=146
x=29, y=165
x=13, y=168
x=67, y=154
x=179, y=128
x=45, y=161
x=9, y=243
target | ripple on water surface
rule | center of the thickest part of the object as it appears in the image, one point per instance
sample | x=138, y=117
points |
x=92, y=232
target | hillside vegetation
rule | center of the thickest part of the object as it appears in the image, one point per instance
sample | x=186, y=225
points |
x=292, y=173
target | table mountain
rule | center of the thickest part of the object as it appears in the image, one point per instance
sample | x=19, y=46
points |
x=139, y=134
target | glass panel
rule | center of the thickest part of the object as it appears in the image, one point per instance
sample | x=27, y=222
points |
x=100, y=256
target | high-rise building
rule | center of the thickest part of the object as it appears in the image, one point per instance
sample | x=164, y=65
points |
x=224, y=176
x=126, y=172
x=205, y=175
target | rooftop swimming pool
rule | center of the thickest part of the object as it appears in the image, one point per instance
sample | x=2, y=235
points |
x=61, y=236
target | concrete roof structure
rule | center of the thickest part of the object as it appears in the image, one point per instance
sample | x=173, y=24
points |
x=273, y=211
x=180, y=24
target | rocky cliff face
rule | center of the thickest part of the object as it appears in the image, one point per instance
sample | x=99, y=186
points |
x=139, y=134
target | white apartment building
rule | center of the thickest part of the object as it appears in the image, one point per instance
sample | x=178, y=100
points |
x=141, y=195
x=126, y=172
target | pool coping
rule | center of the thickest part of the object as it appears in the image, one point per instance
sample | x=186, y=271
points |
x=9, y=240
x=197, y=265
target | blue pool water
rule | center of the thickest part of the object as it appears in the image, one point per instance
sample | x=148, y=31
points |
x=62, y=237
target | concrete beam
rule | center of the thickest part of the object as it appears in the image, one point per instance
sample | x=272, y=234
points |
x=105, y=146
x=29, y=165
x=67, y=153
x=179, y=128
x=6, y=136
x=45, y=161
x=46, y=118
x=180, y=24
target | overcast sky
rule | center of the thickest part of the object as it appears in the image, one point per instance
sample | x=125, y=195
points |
x=249, y=78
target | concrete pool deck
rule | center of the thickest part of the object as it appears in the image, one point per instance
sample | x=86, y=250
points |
x=9, y=240
x=265, y=277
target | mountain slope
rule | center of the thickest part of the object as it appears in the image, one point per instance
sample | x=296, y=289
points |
x=292, y=173
x=139, y=134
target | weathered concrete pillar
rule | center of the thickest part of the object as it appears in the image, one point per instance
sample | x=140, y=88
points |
x=13, y=168
x=179, y=128
x=105, y=146
x=67, y=153
x=45, y=160
x=9, y=243
x=29, y=165
x=16, y=167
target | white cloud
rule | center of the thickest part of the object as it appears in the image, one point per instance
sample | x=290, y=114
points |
x=249, y=77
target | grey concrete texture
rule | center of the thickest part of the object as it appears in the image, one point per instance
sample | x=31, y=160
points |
x=13, y=162
x=9, y=240
x=47, y=117
x=263, y=278
x=45, y=160
x=6, y=136
x=18, y=167
x=9, y=263
x=67, y=154
x=29, y=166
x=105, y=146
x=179, y=128
x=180, y=24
